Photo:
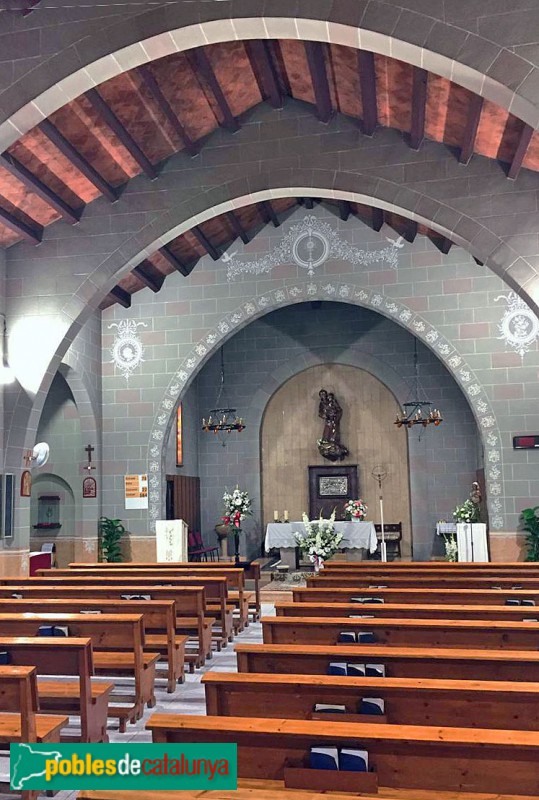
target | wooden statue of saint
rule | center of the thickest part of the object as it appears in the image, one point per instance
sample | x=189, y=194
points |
x=329, y=446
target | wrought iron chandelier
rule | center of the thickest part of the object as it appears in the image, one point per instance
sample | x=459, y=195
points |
x=222, y=419
x=417, y=410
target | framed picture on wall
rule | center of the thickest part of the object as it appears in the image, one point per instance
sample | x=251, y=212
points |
x=9, y=505
x=179, y=437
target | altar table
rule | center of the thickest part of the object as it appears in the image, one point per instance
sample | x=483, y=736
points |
x=356, y=535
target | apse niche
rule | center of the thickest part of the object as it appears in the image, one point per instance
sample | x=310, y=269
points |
x=56, y=502
x=367, y=360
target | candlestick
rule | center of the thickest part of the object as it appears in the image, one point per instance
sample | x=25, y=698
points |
x=286, y=516
x=276, y=516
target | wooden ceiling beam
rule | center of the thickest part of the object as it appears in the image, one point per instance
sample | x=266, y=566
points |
x=200, y=62
x=308, y=202
x=520, y=152
x=205, y=242
x=375, y=219
x=407, y=228
x=121, y=132
x=175, y=262
x=268, y=213
x=79, y=162
x=259, y=52
x=237, y=227
x=28, y=230
x=441, y=242
x=36, y=186
x=121, y=296
x=470, y=132
x=153, y=87
x=367, y=82
x=319, y=78
x=149, y=278
x=419, y=104
x=345, y=209
x=31, y=232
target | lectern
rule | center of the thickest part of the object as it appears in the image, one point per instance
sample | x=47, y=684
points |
x=171, y=540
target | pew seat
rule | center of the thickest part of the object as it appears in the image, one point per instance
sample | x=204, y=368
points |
x=408, y=701
x=399, y=662
x=404, y=632
x=403, y=756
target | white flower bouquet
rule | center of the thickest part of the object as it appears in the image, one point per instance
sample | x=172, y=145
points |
x=237, y=506
x=355, y=509
x=319, y=540
x=467, y=512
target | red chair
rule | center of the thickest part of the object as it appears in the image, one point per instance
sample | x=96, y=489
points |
x=197, y=549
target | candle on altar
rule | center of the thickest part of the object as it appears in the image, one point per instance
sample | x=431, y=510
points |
x=286, y=516
x=276, y=516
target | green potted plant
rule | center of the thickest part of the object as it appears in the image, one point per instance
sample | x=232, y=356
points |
x=111, y=532
x=530, y=523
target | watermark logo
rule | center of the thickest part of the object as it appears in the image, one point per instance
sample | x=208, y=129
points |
x=123, y=766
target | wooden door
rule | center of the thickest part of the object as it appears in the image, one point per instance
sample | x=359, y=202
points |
x=184, y=494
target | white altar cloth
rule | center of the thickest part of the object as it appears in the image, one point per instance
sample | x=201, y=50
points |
x=355, y=535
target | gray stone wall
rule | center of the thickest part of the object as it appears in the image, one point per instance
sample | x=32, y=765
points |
x=191, y=424
x=449, y=302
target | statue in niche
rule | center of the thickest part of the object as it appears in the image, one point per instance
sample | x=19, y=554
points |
x=329, y=446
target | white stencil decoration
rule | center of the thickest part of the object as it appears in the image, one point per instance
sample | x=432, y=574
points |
x=519, y=327
x=127, y=350
x=309, y=244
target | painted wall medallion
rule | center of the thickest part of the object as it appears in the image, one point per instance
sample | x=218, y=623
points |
x=127, y=350
x=519, y=326
x=26, y=483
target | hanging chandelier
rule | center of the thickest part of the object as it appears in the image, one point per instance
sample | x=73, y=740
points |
x=222, y=419
x=417, y=410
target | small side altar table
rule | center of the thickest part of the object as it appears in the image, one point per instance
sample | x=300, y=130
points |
x=356, y=536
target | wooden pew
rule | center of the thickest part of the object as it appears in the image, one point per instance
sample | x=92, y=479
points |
x=467, y=597
x=79, y=696
x=404, y=756
x=399, y=662
x=407, y=611
x=426, y=582
x=251, y=569
x=404, y=632
x=408, y=701
x=350, y=568
x=190, y=600
x=159, y=624
x=456, y=566
x=118, y=642
x=255, y=790
x=20, y=720
x=235, y=581
x=215, y=592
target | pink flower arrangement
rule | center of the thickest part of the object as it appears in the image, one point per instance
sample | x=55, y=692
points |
x=355, y=509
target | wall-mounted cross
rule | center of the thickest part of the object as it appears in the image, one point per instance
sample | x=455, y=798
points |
x=89, y=449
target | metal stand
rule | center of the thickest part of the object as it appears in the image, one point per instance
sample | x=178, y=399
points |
x=237, y=532
x=379, y=474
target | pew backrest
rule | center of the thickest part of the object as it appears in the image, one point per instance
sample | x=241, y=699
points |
x=18, y=695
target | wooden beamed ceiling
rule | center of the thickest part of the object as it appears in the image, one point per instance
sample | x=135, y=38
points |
x=132, y=123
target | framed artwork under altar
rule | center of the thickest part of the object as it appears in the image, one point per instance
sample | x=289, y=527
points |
x=331, y=487
x=179, y=436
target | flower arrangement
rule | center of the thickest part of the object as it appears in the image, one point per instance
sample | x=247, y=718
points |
x=320, y=540
x=237, y=506
x=355, y=509
x=467, y=512
x=451, y=548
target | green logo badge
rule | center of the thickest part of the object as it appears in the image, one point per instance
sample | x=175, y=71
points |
x=123, y=766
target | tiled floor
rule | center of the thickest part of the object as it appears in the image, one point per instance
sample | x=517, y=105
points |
x=189, y=697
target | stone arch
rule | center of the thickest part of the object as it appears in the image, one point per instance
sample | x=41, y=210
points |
x=409, y=36
x=340, y=292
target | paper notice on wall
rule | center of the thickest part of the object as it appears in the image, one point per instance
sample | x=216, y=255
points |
x=136, y=491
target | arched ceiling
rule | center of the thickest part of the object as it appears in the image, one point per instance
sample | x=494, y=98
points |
x=133, y=123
